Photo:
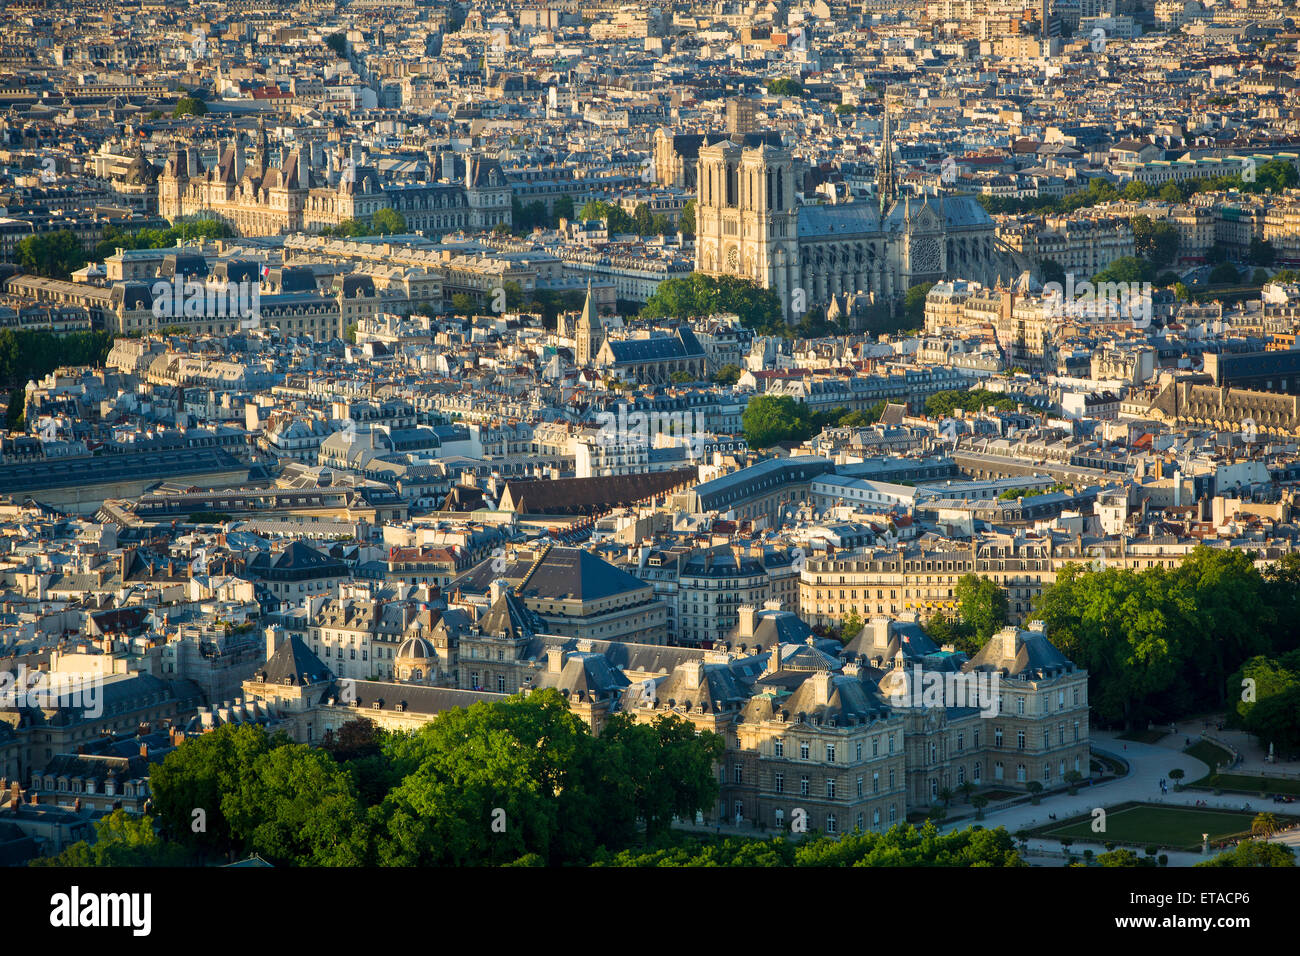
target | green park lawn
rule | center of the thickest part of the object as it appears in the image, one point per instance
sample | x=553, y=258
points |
x=1144, y=736
x=1212, y=755
x=1142, y=824
x=1245, y=783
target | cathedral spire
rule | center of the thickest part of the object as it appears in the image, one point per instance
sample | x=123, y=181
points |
x=886, y=175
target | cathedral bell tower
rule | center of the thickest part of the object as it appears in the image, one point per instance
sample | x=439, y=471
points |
x=747, y=218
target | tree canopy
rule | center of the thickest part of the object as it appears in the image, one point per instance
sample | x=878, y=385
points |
x=493, y=784
x=697, y=294
x=1160, y=643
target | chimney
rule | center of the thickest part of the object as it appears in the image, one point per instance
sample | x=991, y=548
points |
x=748, y=619
x=554, y=660
x=144, y=750
x=821, y=682
x=274, y=637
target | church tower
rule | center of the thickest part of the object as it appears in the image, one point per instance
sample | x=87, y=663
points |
x=590, y=334
x=747, y=217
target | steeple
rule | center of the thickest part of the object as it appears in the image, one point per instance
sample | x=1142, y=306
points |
x=263, y=157
x=886, y=175
x=590, y=334
x=588, y=319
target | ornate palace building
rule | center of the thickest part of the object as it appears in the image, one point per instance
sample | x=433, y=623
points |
x=751, y=224
x=260, y=198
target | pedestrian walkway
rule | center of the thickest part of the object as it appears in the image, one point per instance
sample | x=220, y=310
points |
x=1148, y=763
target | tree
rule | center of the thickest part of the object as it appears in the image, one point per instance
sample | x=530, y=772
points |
x=769, y=419
x=850, y=625
x=1225, y=273
x=979, y=802
x=1261, y=252
x=1035, y=791
x=360, y=737
x=1171, y=193
x=1160, y=643
x=1124, y=857
x=1136, y=190
x=1051, y=271
x=681, y=378
x=686, y=224
x=388, y=222
x=1126, y=269
x=120, y=840
x=338, y=44
x=297, y=806
x=562, y=208
x=190, y=106
x=1254, y=853
x=1156, y=242
x=1176, y=775
x=697, y=295
x=983, y=606
x=728, y=375
x=914, y=302
x=1072, y=777
x=55, y=255
x=671, y=768
x=616, y=220
x=463, y=304
x=1264, y=825
x=785, y=86
x=189, y=785
x=487, y=784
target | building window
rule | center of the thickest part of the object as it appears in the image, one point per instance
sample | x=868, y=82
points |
x=1020, y=705
x=830, y=753
x=1021, y=773
x=803, y=785
x=830, y=789
x=830, y=823
x=859, y=786
x=736, y=772
x=778, y=748
x=997, y=736
x=779, y=782
x=803, y=750
x=1020, y=740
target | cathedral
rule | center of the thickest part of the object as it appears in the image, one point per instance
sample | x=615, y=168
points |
x=751, y=224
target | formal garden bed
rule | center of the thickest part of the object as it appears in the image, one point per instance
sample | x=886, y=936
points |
x=1144, y=824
